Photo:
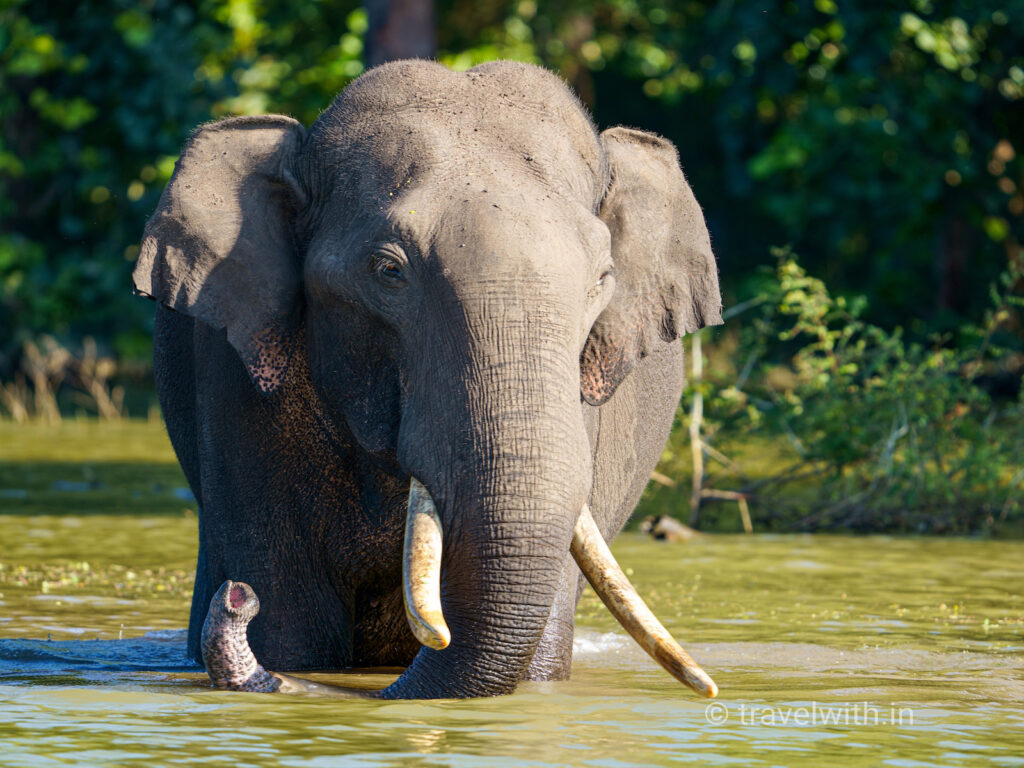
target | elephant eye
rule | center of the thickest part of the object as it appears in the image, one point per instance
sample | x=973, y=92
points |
x=388, y=271
x=600, y=286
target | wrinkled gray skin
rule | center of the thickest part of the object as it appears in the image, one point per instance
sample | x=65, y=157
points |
x=450, y=276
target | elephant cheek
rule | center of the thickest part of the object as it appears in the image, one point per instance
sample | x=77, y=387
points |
x=357, y=380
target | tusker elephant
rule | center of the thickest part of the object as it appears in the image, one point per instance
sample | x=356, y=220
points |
x=421, y=359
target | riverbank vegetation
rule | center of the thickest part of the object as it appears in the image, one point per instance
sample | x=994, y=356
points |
x=820, y=420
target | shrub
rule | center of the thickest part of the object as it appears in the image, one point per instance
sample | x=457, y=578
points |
x=877, y=432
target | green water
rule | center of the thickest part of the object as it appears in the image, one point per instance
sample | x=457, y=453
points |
x=828, y=650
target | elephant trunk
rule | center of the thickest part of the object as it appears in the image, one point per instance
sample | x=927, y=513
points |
x=507, y=481
x=496, y=591
x=421, y=576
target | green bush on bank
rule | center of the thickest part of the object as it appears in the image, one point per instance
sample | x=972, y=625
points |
x=865, y=430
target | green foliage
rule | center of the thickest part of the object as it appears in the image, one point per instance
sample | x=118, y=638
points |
x=882, y=140
x=96, y=99
x=886, y=433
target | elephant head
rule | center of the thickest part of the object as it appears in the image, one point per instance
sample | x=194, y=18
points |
x=465, y=260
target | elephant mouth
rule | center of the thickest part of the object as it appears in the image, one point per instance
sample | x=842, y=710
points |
x=421, y=575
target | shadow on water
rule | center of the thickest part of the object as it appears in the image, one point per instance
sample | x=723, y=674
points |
x=85, y=467
x=93, y=487
x=72, y=662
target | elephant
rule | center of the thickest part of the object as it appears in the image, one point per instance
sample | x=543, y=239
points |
x=417, y=363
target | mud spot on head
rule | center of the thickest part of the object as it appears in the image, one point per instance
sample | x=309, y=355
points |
x=237, y=596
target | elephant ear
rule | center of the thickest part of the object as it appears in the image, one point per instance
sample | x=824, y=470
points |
x=666, y=281
x=220, y=245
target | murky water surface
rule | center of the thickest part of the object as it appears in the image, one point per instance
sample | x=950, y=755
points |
x=828, y=650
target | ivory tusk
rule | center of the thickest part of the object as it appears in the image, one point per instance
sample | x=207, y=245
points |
x=609, y=582
x=421, y=570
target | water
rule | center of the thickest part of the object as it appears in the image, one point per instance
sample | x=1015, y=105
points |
x=828, y=650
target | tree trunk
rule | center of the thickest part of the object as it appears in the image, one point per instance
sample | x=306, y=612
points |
x=400, y=29
x=954, y=249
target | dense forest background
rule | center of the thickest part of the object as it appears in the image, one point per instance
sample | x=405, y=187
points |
x=879, y=141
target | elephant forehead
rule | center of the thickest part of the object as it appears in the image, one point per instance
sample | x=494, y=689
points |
x=506, y=118
x=488, y=215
